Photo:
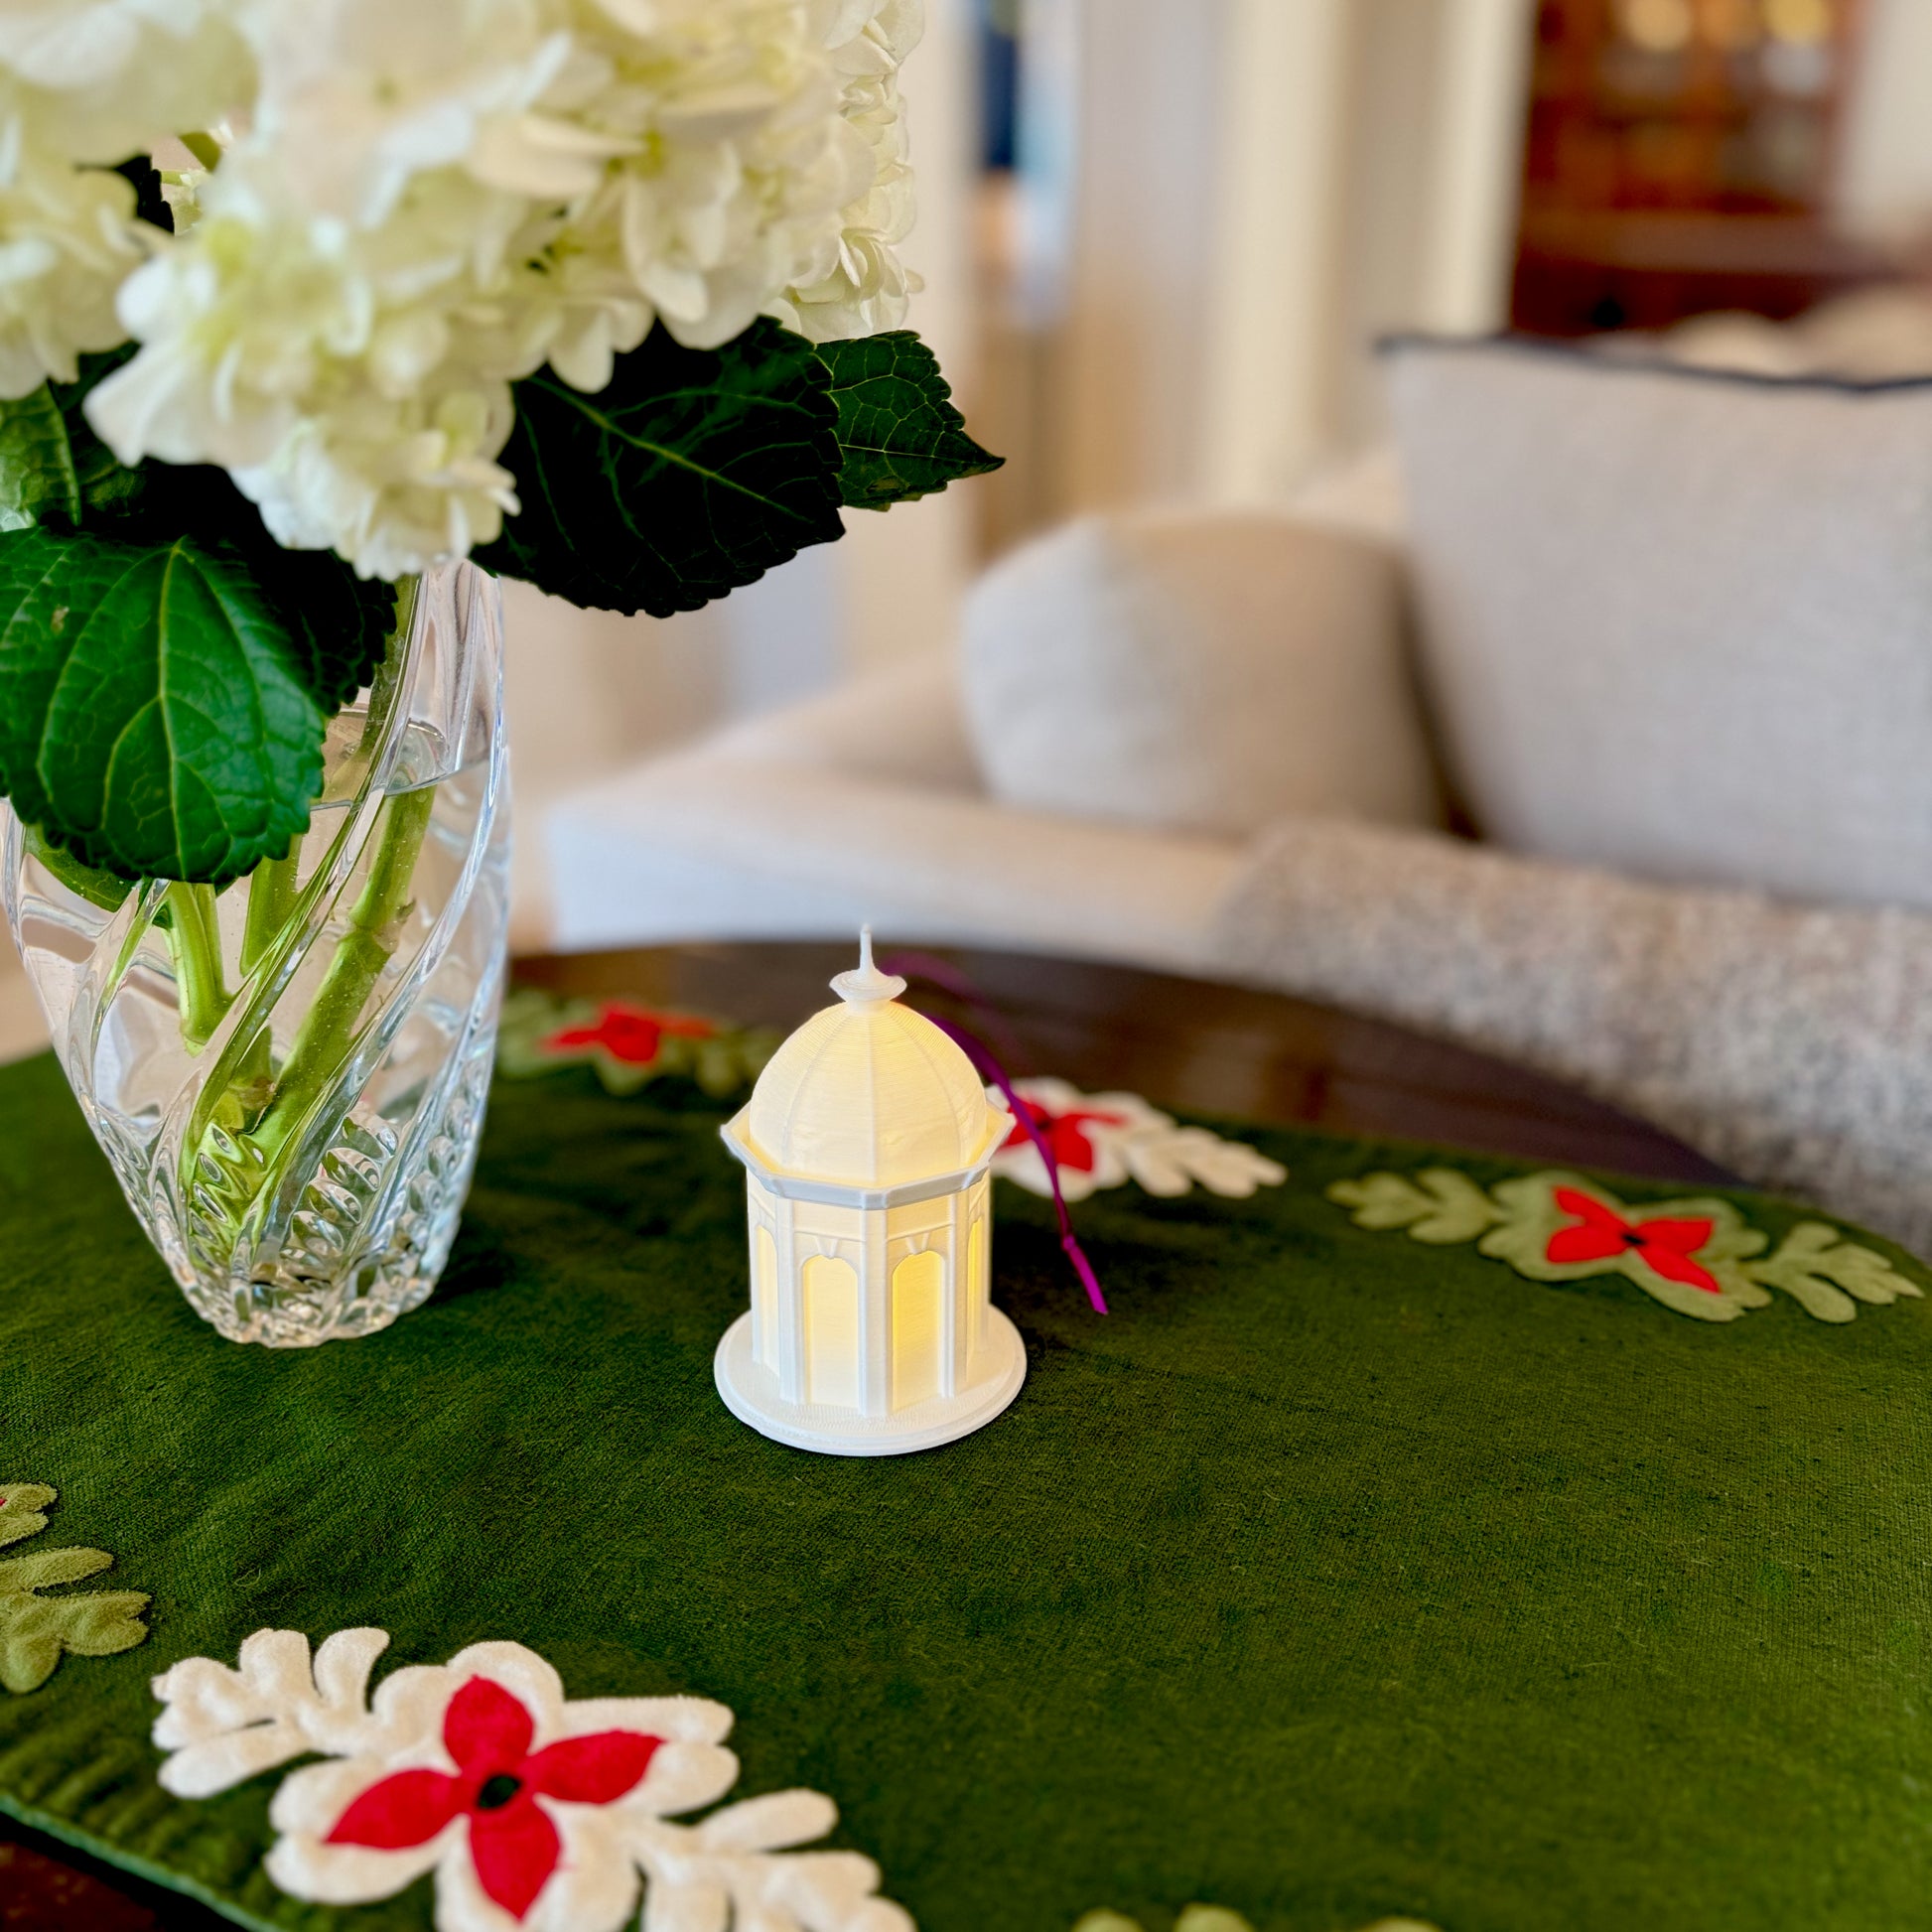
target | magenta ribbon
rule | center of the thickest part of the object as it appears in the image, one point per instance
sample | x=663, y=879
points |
x=947, y=976
x=986, y=1062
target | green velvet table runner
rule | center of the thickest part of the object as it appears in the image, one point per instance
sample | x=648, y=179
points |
x=1336, y=1572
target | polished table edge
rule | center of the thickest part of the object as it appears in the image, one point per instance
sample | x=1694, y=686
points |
x=1208, y=1046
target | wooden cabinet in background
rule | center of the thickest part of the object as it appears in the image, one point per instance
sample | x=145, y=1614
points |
x=1679, y=158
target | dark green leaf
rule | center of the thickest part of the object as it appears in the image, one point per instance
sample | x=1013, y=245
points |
x=156, y=720
x=898, y=433
x=339, y=623
x=93, y=883
x=52, y=468
x=55, y=471
x=693, y=473
x=178, y=740
x=38, y=480
x=108, y=488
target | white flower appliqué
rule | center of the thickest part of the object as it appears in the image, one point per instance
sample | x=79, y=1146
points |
x=532, y=1811
x=1105, y=1139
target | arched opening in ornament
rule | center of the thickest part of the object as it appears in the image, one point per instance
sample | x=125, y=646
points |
x=919, y=1300
x=764, y=1298
x=831, y=1331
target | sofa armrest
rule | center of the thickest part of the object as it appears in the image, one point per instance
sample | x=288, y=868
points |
x=719, y=844
x=904, y=724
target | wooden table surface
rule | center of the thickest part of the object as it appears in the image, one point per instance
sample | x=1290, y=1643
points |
x=1183, y=1044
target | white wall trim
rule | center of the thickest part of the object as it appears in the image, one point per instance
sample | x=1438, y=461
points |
x=1479, y=149
x=1268, y=338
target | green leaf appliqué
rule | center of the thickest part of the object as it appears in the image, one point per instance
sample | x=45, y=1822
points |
x=1697, y=1257
x=900, y=436
x=36, y=1628
x=693, y=474
x=155, y=716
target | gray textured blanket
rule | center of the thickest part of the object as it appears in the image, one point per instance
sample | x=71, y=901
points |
x=1792, y=1045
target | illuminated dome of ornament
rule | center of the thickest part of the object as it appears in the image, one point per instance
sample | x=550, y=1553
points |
x=870, y=1093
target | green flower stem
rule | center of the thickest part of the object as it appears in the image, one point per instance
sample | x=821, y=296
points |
x=271, y=903
x=388, y=684
x=195, y=939
x=271, y=899
x=329, y=1029
x=255, y=1103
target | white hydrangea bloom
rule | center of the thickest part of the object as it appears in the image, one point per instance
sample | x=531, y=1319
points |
x=107, y=79
x=319, y=363
x=392, y=485
x=66, y=242
x=433, y=198
x=89, y=81
x=359, y=97
x=759, y=166
x=864, y=287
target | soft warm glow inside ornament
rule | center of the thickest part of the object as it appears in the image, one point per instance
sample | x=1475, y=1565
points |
x=865, y=1147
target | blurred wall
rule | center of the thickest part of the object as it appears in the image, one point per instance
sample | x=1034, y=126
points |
x=902, y=573
x=1261, y=188
x=1144, y=95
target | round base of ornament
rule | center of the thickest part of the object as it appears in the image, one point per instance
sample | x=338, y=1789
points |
x=752, y=1395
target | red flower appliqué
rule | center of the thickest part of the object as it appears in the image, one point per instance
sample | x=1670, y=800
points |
x=1598, y=1233
x=629, y=1034
x=1065, y=1133
x=496, y=1785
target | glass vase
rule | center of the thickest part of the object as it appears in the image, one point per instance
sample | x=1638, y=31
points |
x=289, y=1074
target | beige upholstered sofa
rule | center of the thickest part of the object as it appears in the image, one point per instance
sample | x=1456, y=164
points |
x=1664, y=637
x=872, y=803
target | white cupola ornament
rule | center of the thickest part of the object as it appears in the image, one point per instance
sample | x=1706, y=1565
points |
x=865, y=1147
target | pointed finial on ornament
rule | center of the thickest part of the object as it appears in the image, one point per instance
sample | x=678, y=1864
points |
x=867, y=985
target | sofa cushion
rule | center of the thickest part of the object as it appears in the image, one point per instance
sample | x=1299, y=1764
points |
x=1196, y=673
x=1675, y=621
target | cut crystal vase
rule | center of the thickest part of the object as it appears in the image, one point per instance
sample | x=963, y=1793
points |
x=289, y=1074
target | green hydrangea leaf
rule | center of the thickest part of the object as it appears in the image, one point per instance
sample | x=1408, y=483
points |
x=900, y=436
x=693, y=474
x=55, y=471
x=37, y=473
x=157, y=719
x=94, y=884
x=307, y=611
x=339, y=625
x=54, y=468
